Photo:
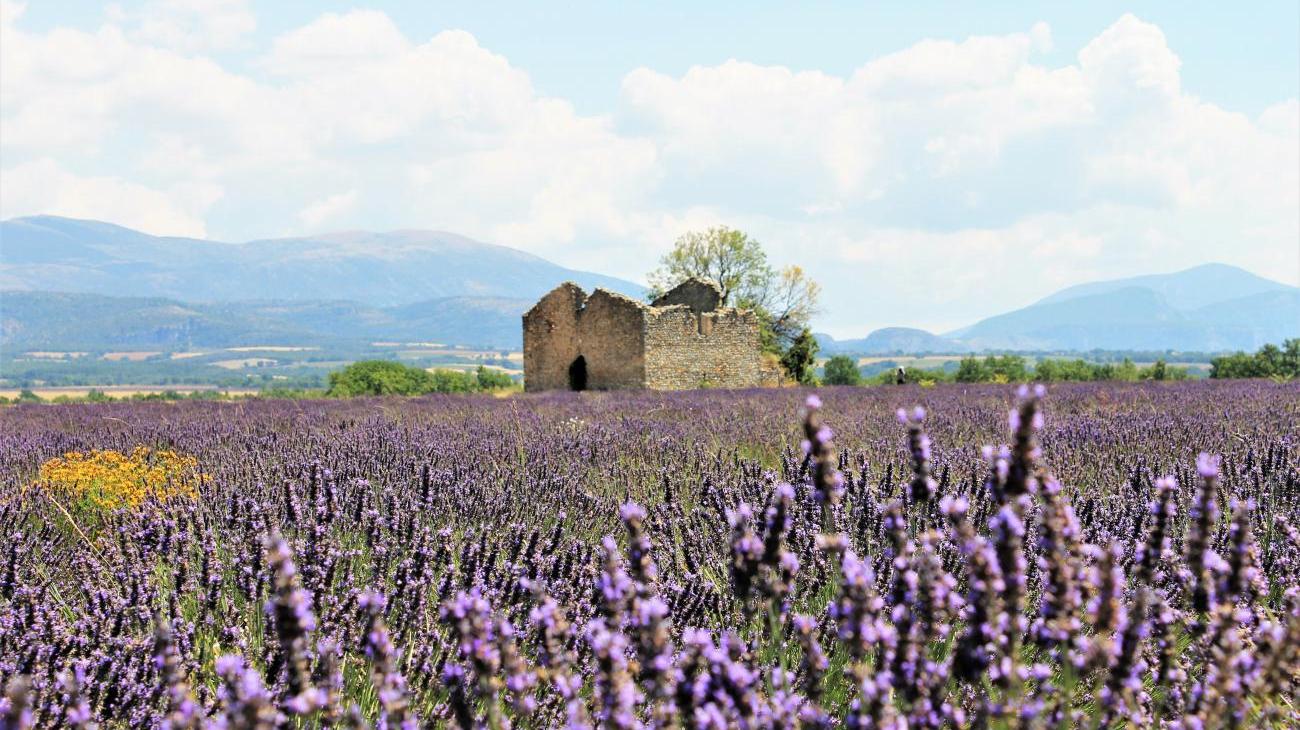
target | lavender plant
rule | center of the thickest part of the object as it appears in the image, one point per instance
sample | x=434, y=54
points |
x=765, y=559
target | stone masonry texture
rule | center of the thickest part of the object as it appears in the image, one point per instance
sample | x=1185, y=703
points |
x=607, y=341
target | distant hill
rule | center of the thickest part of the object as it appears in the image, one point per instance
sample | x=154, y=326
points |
x=434, y=286
x=69, y=321
x=892, y=340
x=1193, y=288
x=49, y=253
x=1207, y=308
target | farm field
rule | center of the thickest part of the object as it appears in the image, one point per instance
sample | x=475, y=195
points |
x=121, y=391
x=773, y=560
x=242, y=368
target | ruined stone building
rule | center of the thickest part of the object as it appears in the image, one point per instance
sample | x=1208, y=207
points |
x=607, y=341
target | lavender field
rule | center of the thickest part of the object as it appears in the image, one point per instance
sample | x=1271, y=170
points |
x=781, y=558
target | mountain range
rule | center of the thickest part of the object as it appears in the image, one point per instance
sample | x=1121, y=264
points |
x=49, y=253
x=74, y=284
x=1207, y=308
x=62, y=321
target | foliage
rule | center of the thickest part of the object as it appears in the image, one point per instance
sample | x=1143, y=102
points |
x=995, y=368
x=1268, y=362
x=784, y=301
x=379, y=377
x=841, y=370
x=386, y=377
x=725, y=256
x=800, y=358
x=489, y=379
x=109, y=479
x=423, y=560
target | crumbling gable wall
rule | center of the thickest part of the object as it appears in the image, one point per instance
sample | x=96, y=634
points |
x=712, y=350
x=611, y=339
x=698, y=294
x=551, y=340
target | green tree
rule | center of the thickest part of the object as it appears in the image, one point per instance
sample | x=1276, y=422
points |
x=784, y=300
x=726, y=256
x=1269, y=361
x=1126, y=370
x=841, y=370
x=800, y=359
x=379, y=377
x=1291, y=357
x=451, y=381
x=971, y=370
x=489, y=379
x=785, y=304
x=1159, y=371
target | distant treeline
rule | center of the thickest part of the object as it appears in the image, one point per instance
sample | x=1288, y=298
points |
x=1270, y=361
x=385, y=377
x=158, y=371
x=368, y=377
x=843, y=370
x=95, y=395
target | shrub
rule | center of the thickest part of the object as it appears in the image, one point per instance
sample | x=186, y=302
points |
x=800, y=358
x=451, y=381
x=841, y=370
x=489, y=379
x=385, y=377
x=108, y=479
x=379, y=377
x=1268, y=362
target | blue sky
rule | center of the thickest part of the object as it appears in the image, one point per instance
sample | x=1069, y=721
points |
x=1245, y=56
x=929, y=163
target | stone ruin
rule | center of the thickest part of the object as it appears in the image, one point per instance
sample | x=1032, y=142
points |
x=608, y=341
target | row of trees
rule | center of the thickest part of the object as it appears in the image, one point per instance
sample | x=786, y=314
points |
x=843, y=370
x=1270, y=361
x=386, y=377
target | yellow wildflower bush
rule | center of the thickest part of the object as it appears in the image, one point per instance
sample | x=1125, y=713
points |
x=108, y=479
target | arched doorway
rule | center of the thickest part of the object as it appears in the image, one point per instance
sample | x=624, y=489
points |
x=578, y=374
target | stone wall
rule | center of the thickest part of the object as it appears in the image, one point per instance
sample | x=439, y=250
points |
x=700, y=295
x=625, y=343
x=687, y=350
x=551, y=338
x=611, y=339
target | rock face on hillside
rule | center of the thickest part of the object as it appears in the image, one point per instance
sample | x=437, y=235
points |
x=606, y=341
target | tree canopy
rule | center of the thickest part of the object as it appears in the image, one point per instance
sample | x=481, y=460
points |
x=800, y=358
x=385, y=377
x=785, y=299
x=841, y=370
x=1270, y=361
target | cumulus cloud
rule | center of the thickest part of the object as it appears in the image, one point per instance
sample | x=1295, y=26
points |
x=328, y=209
x=906, y=186
x=42, y=186
x=190, y=25
x=334, y=44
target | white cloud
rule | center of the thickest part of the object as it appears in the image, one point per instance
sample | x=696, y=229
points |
x=328, y=209
x=336, y=43
x=905, y=186
x=192, y=25
x=42, y=186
